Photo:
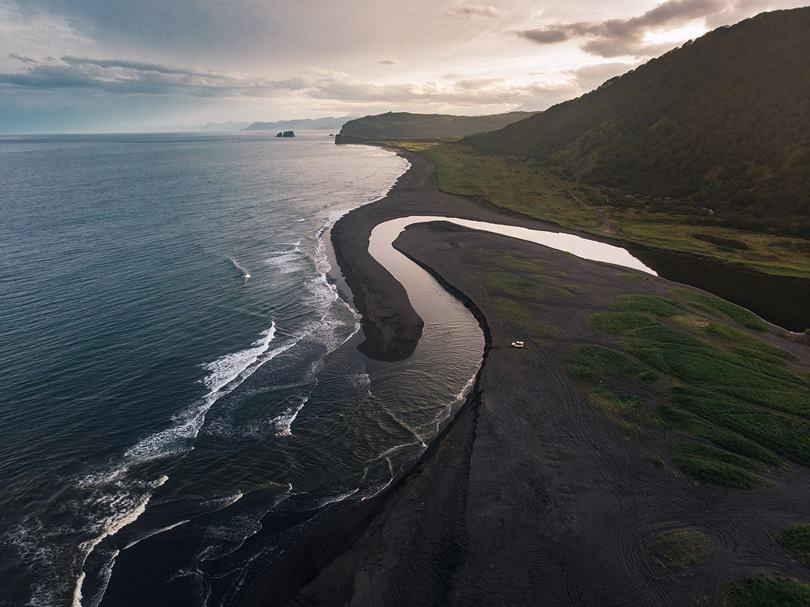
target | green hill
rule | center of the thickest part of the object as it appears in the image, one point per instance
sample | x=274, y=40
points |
x=718, y=129
x=404, y=125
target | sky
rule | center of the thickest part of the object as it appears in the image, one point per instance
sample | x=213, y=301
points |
x=154, y=65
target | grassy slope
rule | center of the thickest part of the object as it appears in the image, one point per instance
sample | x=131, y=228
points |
x=524, y=187
x=720, y=124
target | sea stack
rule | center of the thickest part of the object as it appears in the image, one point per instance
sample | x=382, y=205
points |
x=285, y=134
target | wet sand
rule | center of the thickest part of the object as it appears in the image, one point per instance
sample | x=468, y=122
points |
x=531, y=495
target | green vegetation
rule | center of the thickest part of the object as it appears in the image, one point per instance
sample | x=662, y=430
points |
x=671, y=364
x=592, y=362
x=654, y=305
x=744, y=344
x=716, y=130
x=527, y=188
x=713, y=453
x=713, y=304
x=522, y=316
x=509, y=283
x=682, y=548
x=763, y=591
x=515, y=281
x=404, y=125
x=718, y=472
x=796, y=540
x=515, y=186
x=630, y=412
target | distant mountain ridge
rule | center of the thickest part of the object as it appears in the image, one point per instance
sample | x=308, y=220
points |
x=328, y=123
x=224, y=126
x=719, y=127
x=405, y=125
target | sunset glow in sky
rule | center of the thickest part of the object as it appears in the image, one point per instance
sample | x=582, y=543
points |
x=119, y=65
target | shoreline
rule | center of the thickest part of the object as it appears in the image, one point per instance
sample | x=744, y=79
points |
x=360, y=552
x=531, y=491
x=391, y=327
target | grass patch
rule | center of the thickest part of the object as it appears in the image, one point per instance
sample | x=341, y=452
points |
x=522, y=288
x=715, y=305
x=718, y=473
x=778, y=432
x=682, y=548
x=731, y=441
x=720, y=455
x=594, y=363
x=796, y=540
x=744, y=343
x=765, y=591
x=620, y=323
x=732, y=393
x=657, y=306
x=523, y=317
x=629, y=411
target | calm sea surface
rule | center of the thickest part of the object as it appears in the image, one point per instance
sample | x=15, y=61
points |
x=176, y=366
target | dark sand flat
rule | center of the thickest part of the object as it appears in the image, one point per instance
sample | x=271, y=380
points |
x=532, y=496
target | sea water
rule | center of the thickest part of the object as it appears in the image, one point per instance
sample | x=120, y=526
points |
x=176, y=364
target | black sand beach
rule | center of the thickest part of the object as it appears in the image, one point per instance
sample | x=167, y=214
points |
x=532, y=495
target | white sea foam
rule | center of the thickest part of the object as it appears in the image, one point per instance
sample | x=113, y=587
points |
x=240, y=267
x=220, y=503
x=460, y=397
x=363, y=380
x=109, y=527
x=224, y=375
x=155, y=532
x=105, y=574
x=283, y=423
x=289, y=261
x=337, y=498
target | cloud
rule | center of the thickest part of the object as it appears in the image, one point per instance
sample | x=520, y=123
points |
x=22, y=58
x=133, y=77
x=546, y=35
x=388, y=62
x=473, y=10
x=621, y=37
x=126, y=77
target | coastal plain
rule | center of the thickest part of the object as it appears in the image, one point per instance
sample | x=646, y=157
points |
x=590, y=467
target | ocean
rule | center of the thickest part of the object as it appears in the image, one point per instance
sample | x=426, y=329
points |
x=178, y=367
